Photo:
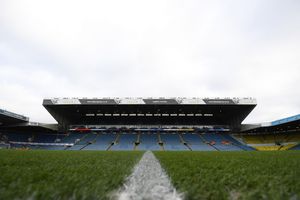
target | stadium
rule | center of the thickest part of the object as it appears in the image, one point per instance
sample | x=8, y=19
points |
x=149, y=100
x=116, y=137
x=191, y=124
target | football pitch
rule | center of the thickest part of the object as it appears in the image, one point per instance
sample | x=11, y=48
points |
x=234, y=175
x=198, y=175
x=63, y=174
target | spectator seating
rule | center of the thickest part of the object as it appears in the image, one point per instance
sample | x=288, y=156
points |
x=296, y=147
x=272, y=142
x=148, y=142
x=103, y=141
x=219, y=142
x=125, y=141
x=171, y=141
x=195, y=143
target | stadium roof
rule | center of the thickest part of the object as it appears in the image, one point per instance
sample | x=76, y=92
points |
x=31, y=127
x=161, y=111
x=8, y=118
x=282, y=125
x=295, y=118
x=16, y=122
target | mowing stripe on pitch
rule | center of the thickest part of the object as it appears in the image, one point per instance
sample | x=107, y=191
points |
x=148, y=181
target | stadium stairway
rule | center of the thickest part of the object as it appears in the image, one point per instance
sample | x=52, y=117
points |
x=195, y=142
x=148, y=142
x=71, y=138
x=209, y=141
x=222, y=142
x=124, y=141
x=103, y=141
x=241, y=143
x=160, y=142
x=172, y=142
x=85, y=141
x=232, y=141
x=184, y=142
x=137, y=142
x=80, y=143
x=115, y=142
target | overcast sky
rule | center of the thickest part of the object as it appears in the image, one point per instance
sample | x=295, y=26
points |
x=138, y=48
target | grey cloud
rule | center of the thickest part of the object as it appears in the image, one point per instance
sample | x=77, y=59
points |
x=156, y=48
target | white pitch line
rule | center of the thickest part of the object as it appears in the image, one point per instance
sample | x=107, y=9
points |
x=148, y=182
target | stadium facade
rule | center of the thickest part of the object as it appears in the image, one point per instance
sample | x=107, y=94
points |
x=150, y=111
x=209, y=124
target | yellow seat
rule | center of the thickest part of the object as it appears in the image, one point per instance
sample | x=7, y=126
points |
x=267, y=148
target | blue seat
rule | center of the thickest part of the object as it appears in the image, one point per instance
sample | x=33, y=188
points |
x=126, y=142
x=195, y=143
x=172, y=142
x=101, y=142
x=148, y=142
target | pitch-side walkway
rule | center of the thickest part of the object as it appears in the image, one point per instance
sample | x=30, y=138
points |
x=148, y=182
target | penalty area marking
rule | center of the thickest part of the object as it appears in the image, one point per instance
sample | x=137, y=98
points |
x=148, y=182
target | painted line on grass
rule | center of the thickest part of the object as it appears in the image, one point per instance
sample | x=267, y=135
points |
x=148, y=182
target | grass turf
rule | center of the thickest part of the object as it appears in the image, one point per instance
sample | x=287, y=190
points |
x=234, y=175
x=63, y=174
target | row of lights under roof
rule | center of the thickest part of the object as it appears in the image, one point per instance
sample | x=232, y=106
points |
x=154, y=98
x=150, y=115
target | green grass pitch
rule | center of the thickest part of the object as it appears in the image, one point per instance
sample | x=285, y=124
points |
x=234, y=175
x=199, y=175
x=63, y=174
